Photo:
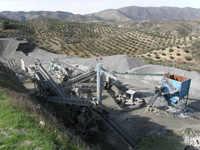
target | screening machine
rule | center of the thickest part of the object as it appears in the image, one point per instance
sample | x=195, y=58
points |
x=174, y=89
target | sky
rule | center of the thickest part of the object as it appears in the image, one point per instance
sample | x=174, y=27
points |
x=88, y=6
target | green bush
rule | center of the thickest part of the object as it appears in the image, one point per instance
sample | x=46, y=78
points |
x=157, y=57
x=186, y=51
x=171, y=57
x=178, y=54
x=188, y=58
x=171, y=50
x=163, y=48
x=6, y=25
x=163, y=54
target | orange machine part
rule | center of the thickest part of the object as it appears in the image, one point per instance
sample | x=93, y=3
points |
x=176, y=77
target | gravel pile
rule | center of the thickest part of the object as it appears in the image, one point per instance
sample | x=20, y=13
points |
x=191, y=138
x=22, y=49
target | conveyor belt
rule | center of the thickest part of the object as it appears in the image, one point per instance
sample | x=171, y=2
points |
x=112, y=94
x=104, y=115
x=71, y=101
x=110, y=122
x=50, y=81
x=65, y=64
x=123, y=134
x=152, y=100
x=138, y=74
x=80, y=78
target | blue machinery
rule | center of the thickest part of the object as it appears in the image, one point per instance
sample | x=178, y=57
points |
x=174, y=89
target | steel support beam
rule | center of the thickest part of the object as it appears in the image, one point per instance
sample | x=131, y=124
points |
x=99, y=84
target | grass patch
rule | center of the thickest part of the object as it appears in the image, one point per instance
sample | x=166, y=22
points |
x=20, y=129
x=156, y=142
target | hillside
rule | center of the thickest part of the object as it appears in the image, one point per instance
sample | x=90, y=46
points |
x=94, y=40
x=134, y=13
x=111, y=15
x=174, y=27
x=21, y=15
x=36, y=15
x=160, y=13
x=21, y=117
x=124, y=14
x=84, y=39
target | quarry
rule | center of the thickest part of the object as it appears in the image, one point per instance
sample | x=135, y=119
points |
x=112, y=101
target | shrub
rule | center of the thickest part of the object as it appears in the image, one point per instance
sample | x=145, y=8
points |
x=178, y=54
x=163, y=54
x=186, y=51
x=6, y=25
x=171, y=57
x=163, y=48
x=157, y=57
x=188, y=58
x=171, y=50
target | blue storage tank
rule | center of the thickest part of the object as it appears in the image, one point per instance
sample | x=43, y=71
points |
x=175, y=82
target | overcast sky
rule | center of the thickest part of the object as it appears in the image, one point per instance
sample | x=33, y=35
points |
x=88, y=6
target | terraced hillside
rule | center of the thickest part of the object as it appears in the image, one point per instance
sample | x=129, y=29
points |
x=174, y=27
x=93, y=40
